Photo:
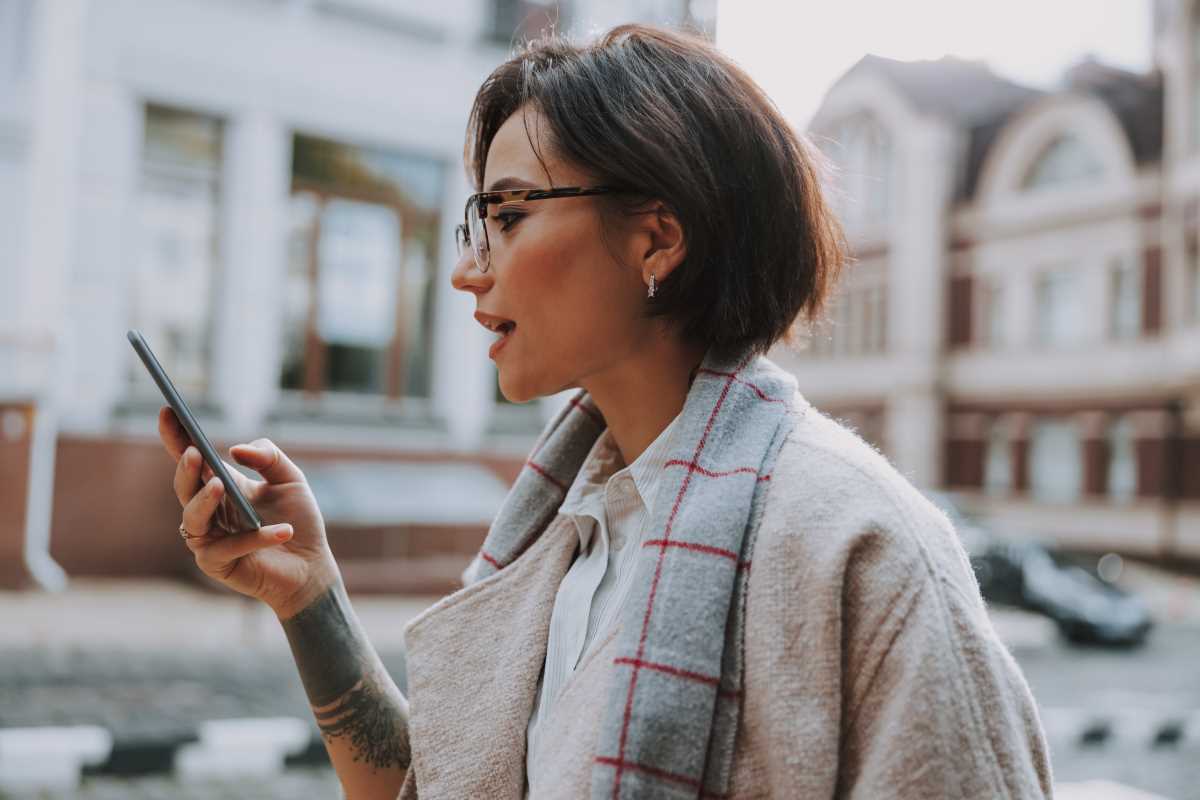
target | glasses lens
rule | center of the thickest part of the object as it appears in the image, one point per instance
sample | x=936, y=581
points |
x=478, y=236
x=460, y=239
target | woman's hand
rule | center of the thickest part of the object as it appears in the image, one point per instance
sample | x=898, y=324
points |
x=287, y=562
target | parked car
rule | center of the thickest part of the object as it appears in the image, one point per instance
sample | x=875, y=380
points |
x=1024, y=573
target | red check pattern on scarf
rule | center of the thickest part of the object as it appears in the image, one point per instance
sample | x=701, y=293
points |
x=736, y=407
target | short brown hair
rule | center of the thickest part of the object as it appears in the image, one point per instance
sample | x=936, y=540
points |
x=665, y=115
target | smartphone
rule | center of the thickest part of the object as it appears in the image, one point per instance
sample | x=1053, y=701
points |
x=249, y=520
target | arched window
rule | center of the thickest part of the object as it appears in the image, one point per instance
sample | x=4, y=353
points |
x=863, y=152
x=1065, y=160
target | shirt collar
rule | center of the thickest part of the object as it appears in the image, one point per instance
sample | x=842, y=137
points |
x=647, y=469
x=602, y=462
x=586, y=494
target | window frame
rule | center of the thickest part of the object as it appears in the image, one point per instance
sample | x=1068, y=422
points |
x=1125, y=492
x=138, y=389
x=1124, y=274
x=313, y=393
x=865, y=151
x=1044, y=333
x=997, y=480
x=1046, y=491
x=1053, y=154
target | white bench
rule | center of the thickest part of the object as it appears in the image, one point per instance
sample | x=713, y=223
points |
x=239, y=747
x=50, y=758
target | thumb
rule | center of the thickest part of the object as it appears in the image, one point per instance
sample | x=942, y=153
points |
x=265, y=458
x=225, y=549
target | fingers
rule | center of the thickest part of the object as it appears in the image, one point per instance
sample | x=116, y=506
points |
x=197, y=512
x=172, y=434
x=214, y=553
x=187, y=475
x=267, y=460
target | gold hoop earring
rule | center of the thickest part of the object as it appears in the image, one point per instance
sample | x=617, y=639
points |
x=651, y=290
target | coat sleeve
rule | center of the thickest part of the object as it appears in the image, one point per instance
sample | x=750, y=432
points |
x=872, y=670
x=933, y=704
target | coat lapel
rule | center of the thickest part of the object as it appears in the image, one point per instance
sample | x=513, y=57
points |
x=473, y=662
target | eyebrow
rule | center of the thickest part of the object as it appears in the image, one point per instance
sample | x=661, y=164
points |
x=510, y=183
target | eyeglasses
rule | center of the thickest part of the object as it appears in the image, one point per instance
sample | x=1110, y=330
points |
x=473, y=232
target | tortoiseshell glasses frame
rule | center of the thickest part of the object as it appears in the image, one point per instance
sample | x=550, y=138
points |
x=472, y=231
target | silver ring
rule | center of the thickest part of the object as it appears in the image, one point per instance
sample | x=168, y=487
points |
x=184, y=534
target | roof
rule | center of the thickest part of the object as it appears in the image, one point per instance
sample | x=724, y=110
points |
x=980, y=102
x=965, y=92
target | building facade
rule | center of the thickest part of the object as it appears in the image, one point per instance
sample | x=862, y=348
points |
x=267, y=189
x=1022, y=322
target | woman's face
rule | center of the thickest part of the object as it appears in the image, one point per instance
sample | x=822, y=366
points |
x=554, y=273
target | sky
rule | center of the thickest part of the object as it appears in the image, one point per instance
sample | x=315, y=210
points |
x=796, y=49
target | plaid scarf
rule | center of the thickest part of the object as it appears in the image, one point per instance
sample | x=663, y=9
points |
x=672, y=716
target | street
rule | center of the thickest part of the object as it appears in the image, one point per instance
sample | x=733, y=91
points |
x=1132, y=717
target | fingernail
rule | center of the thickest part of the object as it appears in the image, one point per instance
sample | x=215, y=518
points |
x=283, y=536
x=214, y=485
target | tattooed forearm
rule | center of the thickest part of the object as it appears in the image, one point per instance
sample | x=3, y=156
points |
x=351, y=695
x=377, y=735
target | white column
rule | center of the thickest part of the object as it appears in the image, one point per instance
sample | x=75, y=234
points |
x=247, y=336
x=105, y=255
x=56, y=51
x=463, y=376
x=917, y=311
x=914, y=434
x=1173, y=51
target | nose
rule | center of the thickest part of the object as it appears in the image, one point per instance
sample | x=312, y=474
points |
x=466, y=278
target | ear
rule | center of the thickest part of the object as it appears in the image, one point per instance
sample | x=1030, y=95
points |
x=662, y=245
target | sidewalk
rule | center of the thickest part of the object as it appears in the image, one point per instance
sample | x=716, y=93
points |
x=173, y=615
x=150, y=661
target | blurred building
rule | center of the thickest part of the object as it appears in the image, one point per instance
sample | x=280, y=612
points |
x=1023, y=320
x=267, y=189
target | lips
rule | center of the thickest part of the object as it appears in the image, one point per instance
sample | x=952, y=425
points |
x=501, y=326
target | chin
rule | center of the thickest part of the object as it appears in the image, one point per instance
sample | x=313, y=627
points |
x=523, y=389
x=514, y=391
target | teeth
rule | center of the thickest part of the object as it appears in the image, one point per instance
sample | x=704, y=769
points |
x=500, y=327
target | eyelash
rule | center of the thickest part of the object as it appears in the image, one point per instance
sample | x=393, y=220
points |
x=508, y=219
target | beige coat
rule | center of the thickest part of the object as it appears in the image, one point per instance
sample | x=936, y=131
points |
x=872, y=670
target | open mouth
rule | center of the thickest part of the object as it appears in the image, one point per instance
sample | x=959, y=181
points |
x=497, y=325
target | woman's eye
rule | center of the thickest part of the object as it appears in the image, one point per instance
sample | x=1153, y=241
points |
x=508, y=219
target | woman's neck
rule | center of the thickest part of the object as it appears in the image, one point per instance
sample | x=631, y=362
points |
x=640, y=396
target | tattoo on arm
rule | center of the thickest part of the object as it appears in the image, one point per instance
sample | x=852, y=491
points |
x=341, y=676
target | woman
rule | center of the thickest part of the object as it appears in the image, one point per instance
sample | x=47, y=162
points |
x=699, y=585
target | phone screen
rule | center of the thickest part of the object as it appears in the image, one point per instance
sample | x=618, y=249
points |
x=249, y=519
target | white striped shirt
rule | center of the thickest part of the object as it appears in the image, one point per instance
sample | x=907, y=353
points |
x=610, y=504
